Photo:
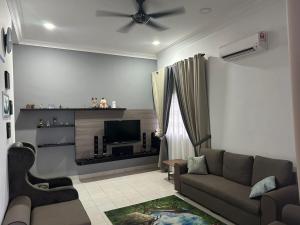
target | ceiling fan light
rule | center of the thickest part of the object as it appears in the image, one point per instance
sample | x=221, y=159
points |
x=156, y=43
x=205, y=10
x=49, y=26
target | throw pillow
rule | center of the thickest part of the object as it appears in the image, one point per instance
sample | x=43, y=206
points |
x=197, y=165
x=263, y=186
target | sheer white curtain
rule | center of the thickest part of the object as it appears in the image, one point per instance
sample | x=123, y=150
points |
x=179, y=144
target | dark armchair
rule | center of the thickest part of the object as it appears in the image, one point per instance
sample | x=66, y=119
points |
x=21, y=157
x=290, y=216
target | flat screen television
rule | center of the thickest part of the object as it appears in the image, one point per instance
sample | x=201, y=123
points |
x=122, y=131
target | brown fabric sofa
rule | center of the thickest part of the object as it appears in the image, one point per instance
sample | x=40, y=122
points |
x=20, y=212
x=225, y=190
x=290, y=216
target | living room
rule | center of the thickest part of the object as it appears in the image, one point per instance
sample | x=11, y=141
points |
x=149, y=112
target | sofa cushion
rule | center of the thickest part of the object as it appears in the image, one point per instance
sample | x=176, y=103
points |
x=262, y=187
x=214, y=160
x=226, y=190
x=18, y=211
x=197, y=165
x=265, y=167
x=65, y=213
x=238, y=168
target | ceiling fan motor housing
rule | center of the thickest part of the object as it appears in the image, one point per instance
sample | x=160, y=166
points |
x=141, y=18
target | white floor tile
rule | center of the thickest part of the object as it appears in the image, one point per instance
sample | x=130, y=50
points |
x=100, y=196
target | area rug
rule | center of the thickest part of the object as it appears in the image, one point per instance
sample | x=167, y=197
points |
x=169, y=210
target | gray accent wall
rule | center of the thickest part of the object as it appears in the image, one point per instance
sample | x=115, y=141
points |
x=70, y=78
x=53, y=76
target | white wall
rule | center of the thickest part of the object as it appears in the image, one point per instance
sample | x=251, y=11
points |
x=5, y=21
x=250, y=100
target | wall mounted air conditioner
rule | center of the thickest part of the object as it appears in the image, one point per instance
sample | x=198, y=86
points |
x=245, y=47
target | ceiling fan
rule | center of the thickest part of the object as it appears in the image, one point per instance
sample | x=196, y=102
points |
x=141, y=17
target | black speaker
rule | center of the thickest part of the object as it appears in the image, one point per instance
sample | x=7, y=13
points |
x=96, y=147
x=144, y=140
x=104, y=144
x=122, y=151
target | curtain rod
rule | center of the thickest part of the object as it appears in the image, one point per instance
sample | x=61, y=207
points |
x=201, y=54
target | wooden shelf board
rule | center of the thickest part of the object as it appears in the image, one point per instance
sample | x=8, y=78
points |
x=55, y=145
x=72, y=109
x=56, y=126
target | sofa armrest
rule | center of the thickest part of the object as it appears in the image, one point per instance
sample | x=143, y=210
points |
x=273, y=202
x=291, y=214
x=179, y=168
x=40, y=197
x=18, y=211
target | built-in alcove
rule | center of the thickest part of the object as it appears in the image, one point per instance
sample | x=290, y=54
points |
x=84, y=124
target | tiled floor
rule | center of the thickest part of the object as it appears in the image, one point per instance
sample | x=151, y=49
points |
x=103, y=195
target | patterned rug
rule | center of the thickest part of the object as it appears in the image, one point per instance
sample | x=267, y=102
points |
x=170, y=210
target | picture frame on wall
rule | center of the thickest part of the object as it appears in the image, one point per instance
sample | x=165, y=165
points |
x=8, y=130
x=7, y=80
x=5, y=105
x=2, y=46
x=11, y=108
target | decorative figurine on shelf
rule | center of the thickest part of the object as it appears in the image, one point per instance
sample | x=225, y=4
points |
x=94, y=103
x=103, y=104
x=30, y=106
x=114, y=104
x=47, y=123
x=41, y=123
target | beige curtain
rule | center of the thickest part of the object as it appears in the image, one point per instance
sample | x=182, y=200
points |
x=191, y=87
x=162, y=86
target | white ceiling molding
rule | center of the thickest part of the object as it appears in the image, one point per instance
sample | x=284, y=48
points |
x=87, y=49
x=15, y=9
x=196, y=36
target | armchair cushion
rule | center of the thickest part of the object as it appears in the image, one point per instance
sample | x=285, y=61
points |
x=65, y=213
x=18, y=212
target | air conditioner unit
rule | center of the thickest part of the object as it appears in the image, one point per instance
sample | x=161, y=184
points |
x=245, y=47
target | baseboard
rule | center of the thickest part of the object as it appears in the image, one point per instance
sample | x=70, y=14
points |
x=117, y=172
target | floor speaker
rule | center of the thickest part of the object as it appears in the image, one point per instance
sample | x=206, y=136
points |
x=104, y=144
x=144, y=140
x=96, y=146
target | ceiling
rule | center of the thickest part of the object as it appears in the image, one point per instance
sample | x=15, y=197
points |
x=77, y=26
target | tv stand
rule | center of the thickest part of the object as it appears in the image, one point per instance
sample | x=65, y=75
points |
x=110, y=158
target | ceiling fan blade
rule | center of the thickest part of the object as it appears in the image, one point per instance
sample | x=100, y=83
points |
x=171, y=12
x=109, y=13
x=156, y=26
x=127, y=27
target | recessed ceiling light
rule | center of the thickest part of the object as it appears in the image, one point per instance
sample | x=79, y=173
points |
x=205, y=10
x=156, y=43
x=49, y=26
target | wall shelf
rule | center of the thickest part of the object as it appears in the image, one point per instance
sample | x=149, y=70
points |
x=55, y=145
x=71, y=109
x=56, y=126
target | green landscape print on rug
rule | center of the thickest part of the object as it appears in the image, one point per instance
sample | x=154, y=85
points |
x=170, y=210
